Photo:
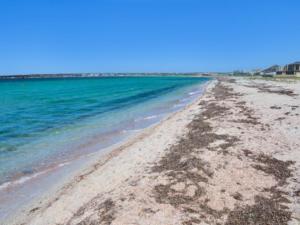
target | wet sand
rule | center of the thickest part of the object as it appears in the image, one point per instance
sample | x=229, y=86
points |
x=232, y=157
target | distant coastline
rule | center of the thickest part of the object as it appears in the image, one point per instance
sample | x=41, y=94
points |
x=85, y=75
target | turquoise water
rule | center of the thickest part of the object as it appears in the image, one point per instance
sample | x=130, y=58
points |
x=48, y=122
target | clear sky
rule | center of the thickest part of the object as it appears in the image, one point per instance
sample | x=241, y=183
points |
x=53, y=36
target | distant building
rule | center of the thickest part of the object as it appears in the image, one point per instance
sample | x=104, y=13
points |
x=290, y=69
x=273, y=70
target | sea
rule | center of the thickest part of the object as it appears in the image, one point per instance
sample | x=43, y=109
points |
x=49, y=125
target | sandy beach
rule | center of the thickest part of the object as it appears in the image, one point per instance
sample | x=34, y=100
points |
x=231, y=157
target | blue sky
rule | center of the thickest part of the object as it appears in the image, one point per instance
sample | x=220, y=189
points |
x=53, y=36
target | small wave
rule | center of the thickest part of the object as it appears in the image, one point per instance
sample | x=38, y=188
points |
x=190, y=96
x=24, y=179
x=195, y=92
x=178, y=105
x=20, y=180
x=151, y=117
x=132, y=130
x=147, y=118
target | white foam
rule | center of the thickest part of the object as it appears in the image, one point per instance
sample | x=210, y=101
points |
x=24, y=179
x=151, y=117
x=195, y=92
x=147, y=118
x=132, y=130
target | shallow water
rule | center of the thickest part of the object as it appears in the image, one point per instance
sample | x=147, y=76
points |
x=48, y=123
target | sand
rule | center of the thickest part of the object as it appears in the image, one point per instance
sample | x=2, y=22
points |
x=231, y=157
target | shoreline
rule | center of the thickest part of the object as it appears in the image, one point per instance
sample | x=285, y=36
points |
x=231, y=157
x=97, y=159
